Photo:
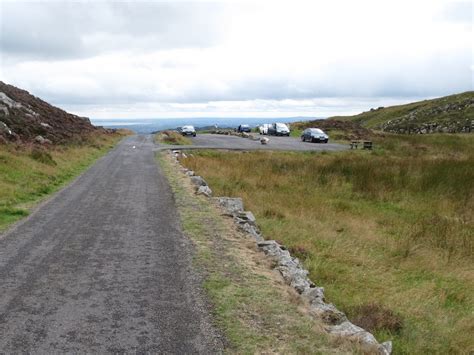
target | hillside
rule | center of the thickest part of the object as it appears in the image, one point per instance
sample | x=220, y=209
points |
x=26, y=118
x=449, y=114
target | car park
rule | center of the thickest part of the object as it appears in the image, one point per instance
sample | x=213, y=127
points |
x=314, y=135
x=278, y=129
x=187, y=131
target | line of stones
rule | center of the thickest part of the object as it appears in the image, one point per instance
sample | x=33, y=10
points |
x=292, y=271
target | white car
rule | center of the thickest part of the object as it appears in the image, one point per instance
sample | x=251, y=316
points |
x=263, y=129
x=188, y=131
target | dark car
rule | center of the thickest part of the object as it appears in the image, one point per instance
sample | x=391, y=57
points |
x=278, y=129
x=244, y=128
x=314, y=135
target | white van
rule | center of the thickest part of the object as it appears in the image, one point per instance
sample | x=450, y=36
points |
x=263, y=129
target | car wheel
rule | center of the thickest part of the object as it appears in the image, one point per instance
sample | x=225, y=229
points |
x=194, y=134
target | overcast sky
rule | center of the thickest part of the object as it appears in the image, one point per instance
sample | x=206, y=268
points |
x=111, y=59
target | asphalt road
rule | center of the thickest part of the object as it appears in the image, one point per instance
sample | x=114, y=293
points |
x=103, y=267
x=215, y=141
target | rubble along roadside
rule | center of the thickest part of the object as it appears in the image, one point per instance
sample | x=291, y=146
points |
x=253, y=305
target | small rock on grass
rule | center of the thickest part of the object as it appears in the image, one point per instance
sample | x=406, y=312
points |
x=248, y=217
x=204, y=190
x=231, y=205
x=198, y=181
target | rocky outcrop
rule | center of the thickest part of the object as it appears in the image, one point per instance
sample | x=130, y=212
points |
x=42, y=140
x=453, y=117
x=29, y=117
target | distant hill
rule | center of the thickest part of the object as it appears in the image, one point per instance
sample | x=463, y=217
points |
x=451, y=114
x=26, y=118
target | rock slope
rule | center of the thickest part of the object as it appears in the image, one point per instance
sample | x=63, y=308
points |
x=449, y=114
x=26, y=118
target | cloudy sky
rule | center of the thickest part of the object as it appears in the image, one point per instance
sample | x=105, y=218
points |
x=112, y=59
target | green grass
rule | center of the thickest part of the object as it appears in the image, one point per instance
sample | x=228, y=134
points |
x=296, y=132
x=256, y=314
x=27, y=175
x=392, y=227
x=172, y=137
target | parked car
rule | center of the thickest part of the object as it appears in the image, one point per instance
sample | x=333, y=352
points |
x=187, y=131
x=263, y=129
x=244, y=128
x=278, y=129
x=314, y=135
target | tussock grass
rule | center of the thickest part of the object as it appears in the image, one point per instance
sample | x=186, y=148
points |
x=256, y=312
x=392, y=228
x=172, y=137
x=30, y=173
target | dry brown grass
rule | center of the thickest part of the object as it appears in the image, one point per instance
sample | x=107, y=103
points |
x=393, y=227
x=172, y=137
x=257, y=311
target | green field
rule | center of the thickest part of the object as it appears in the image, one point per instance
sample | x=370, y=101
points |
x=28, y=174
x=389, y=233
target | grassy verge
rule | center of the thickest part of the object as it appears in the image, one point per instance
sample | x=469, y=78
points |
x=385, y=232
x=296, y=132
x=257, y=313
x=28, y=174
x=172, y=137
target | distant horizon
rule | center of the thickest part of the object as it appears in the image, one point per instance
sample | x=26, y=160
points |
x=149, y=125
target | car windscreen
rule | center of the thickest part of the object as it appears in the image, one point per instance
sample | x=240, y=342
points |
x=316, y=130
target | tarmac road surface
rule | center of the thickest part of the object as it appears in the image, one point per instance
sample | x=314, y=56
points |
x=103, y=267
x=216, y=141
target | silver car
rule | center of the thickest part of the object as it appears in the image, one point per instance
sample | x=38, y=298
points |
x=188, y=131
x=314, y=135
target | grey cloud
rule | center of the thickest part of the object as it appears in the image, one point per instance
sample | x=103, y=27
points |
x=44, y=30
x=435, y=76
x=459, y=12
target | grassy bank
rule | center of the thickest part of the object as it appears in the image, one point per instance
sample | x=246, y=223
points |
x=255, y=310
x=172, y=137
x=435, y=110
x=28, y=173
x=388, y=233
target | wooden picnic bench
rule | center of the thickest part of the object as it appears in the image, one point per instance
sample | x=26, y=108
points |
x=367, y=145
x=354, y=144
